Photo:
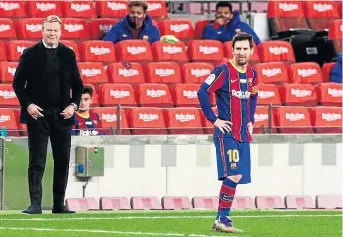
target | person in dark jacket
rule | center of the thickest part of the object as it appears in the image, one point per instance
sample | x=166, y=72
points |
x=336, y=71
x=48, y=85
x=136, y=25
x=226, y=25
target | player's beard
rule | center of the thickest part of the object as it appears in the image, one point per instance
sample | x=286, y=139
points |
x=242, y=61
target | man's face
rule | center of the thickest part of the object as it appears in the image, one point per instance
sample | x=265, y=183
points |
x=51, y=33
x=242, y=52
x=85, y=103
x=223, y=12
x=137, y=12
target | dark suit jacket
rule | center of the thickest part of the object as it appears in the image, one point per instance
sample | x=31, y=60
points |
x=31, y=72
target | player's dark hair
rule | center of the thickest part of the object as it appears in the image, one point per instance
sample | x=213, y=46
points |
x=224, y=4
x=242, y=36
x=87, y=90
x=142, y=4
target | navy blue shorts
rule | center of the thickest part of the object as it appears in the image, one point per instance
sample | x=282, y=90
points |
x=233, y=158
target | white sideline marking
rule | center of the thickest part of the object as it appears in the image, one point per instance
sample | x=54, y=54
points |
x=159, y=217
x=109, y=232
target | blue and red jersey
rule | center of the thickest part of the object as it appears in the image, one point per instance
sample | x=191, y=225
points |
x=86, y=125
x=236, y=97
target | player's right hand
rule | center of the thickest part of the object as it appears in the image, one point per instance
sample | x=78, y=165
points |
x=223, y=125
x=33, y=111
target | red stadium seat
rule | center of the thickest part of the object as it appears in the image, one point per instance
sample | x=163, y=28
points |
x=134, y=51
x=13, y=9
x=163, y=72
x=30, y=28
x=299, y=202
x=269, y=202
x=74, y=29
x=196, y=72
x=116, y=94
x=78, y=9
x=7, y=71
x=164, y=51
x=330, y=94
x=261, y=124
x=298, y=94
x=7, y=29
x=8, y=98
x=117, y=73
x=109, y=120
x=272, y=72
x=185, y=95
x=44, y=8
x=320, y=13
x=309, y=72
x=176, y=203
x=199, y=28
x=207, y=125
x=292, y=120
x=73, y=45
x=275, y=50
x=210, y=203
x=97, y=51
x=8, y=120
x=183, y=121
x=285, y=15
x=146, y=121
x=180, y=28
x=243, y=202
x=145, y=203
x=93, y=73
x=100, y=26
x=15, y=49
x=268, y=94
x=326, y=69
x=255, y=58
x=329, y=201
x=153, y=95
x=82, y=204
x=157, y=9
x=210, y=51
x=3, y=52
x=112, y=9
x=114, y=203
x=326, y=119
x=340, y=9
x=335, y=34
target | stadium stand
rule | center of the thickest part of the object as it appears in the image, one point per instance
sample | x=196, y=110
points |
x=168, y=74
x=114, y=203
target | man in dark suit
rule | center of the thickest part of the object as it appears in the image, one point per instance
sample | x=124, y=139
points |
x=46, y=74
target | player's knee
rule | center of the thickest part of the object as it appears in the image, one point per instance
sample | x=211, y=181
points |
x=235, y=178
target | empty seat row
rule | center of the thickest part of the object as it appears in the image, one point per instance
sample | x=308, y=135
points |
x=211, y=51
x=210, y=203
x=188, y=120
x=316, y=15
x=77, y=9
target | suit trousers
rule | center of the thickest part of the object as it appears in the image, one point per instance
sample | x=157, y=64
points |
x=60, y=137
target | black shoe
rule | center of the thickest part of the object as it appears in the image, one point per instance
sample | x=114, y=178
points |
x=61, y=210
x=33, y=209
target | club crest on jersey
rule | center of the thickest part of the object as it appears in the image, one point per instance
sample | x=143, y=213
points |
x=250, y=81
x=210, y=79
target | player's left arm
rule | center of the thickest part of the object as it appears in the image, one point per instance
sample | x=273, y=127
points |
x=253, y=97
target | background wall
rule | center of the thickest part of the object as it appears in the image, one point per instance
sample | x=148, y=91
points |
x=186, y=166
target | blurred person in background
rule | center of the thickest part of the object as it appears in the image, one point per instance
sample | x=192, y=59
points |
x=226, y=25
x=86, y=122
x=336, y=71
x=136, y=25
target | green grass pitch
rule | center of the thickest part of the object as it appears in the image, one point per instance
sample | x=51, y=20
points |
x=258, y=223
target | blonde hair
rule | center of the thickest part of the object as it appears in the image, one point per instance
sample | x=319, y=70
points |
x=51, y=19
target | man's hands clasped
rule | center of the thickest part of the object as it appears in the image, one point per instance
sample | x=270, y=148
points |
x=35, y=111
